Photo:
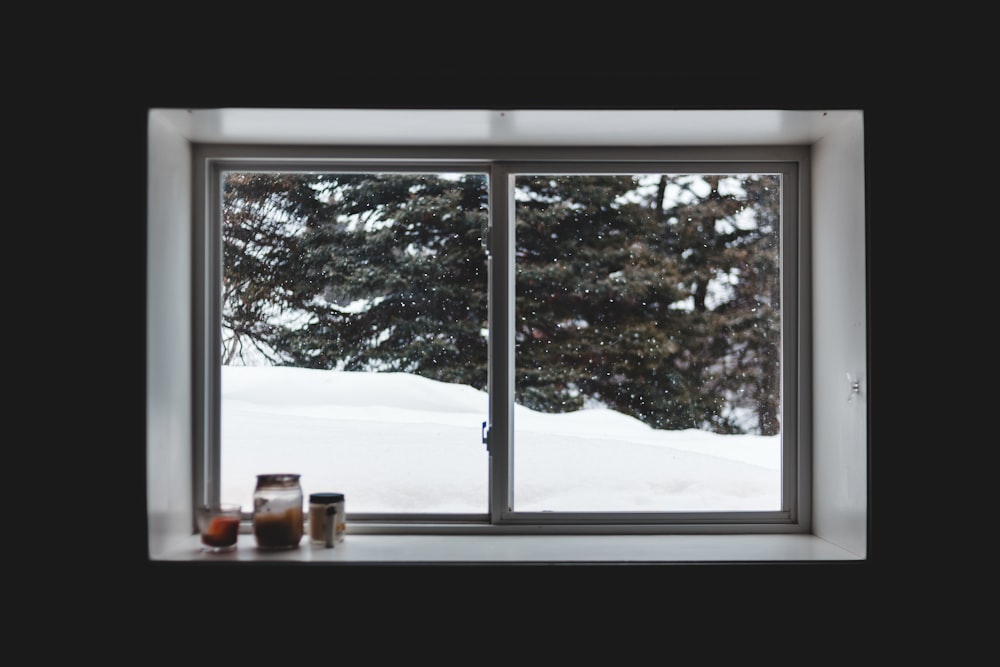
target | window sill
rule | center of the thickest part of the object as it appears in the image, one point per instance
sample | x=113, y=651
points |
x=368, y=549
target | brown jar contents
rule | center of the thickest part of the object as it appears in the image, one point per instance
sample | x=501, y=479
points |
x=275, y=530
x=222, y=532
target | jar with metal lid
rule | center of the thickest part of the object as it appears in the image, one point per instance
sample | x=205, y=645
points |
x=326, y=519
x=277, y=511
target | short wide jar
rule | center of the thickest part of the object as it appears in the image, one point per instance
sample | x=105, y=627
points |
x=277, y=511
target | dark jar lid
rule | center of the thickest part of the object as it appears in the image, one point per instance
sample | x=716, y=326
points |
x=326, y=498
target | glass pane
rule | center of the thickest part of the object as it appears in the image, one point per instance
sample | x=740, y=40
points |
x=647, y=340
x=354, y=346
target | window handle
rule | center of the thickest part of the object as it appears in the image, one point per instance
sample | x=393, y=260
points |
x=486, y=437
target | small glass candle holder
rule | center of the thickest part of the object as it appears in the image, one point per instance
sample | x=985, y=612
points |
x=219, y=525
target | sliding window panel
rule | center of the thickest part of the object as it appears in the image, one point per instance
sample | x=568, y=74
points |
x=353, y=337
x=647, y=339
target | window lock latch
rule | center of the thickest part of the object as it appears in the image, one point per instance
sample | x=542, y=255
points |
x=486, y=436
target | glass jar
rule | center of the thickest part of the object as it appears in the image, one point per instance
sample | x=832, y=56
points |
x=277, y=511
x=326, y=519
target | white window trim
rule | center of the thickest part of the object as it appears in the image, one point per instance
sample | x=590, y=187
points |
x=839, y=533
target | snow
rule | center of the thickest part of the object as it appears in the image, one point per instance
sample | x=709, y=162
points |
x=396, y=442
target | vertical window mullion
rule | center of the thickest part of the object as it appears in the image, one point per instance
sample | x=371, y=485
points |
x=501, y=342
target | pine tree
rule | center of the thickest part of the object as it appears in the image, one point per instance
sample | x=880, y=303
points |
x=593, y=294
x=613, y=299
x=731, y=347
x=656, y=296
x=262, y=216
x=386, y=272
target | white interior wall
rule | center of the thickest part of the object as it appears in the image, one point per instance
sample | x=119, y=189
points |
x=168, y=334
x=839, y=344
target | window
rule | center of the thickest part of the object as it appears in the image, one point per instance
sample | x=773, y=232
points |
x=652, y=290
x=819, y=156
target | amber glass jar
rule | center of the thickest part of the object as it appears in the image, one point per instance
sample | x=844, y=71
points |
x=277, y=511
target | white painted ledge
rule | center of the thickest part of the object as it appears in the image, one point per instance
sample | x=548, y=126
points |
x=368, y=549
